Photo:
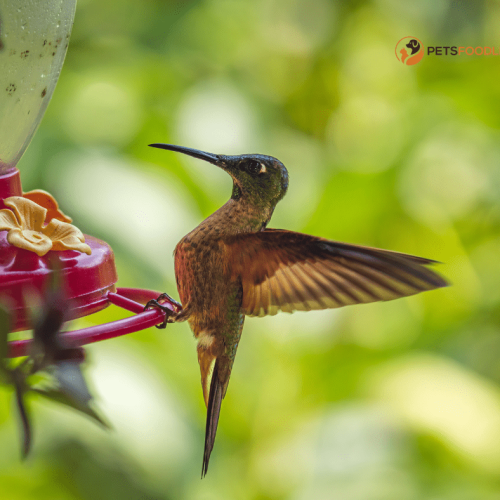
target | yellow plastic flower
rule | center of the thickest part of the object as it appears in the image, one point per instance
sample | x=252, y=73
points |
x=25, y=223
x=46, y=200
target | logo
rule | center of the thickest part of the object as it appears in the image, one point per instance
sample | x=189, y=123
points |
x=409, y=50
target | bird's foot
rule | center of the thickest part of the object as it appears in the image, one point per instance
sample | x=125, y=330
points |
x=166, y=296
x=155, y=303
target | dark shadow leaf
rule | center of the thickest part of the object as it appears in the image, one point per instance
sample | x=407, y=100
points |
x=71, y=381
x=20, y=388
x=46, y=345
x=61, y=397
x=4, y=333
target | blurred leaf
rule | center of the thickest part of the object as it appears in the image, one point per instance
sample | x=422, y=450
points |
x=18, y=379
x=72, y=390
x=49, y=323
x=4, y=333
x=71, y=381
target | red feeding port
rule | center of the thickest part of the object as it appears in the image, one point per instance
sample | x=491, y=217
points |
x=89, y=285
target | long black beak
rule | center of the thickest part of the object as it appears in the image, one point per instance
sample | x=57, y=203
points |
x=211, y=158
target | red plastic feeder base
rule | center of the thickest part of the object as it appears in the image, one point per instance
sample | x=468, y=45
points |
x=88, y=281
x=86, y=278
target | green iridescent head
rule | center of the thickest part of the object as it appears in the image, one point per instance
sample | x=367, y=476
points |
x=258, y=179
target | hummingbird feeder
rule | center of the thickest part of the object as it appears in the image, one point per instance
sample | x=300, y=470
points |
x=34, y=233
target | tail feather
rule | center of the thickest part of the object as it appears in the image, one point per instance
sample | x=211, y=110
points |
x=213, y=411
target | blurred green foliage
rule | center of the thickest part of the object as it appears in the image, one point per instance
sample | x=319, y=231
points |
x=386, y=401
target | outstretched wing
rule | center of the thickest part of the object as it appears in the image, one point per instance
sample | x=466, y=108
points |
x=288, y=271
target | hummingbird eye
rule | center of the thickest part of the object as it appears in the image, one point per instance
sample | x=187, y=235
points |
x=254, y=167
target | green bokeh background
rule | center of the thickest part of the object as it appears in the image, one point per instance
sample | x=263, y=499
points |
x=397, y=400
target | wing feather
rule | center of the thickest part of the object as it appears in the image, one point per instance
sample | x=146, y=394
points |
x=288, y=271
x=287, y=290
x=311, y=289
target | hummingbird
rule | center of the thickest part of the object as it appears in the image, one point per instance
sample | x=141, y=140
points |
x=232, y=265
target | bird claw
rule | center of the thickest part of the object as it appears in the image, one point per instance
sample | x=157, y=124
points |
x=154, y=303
x=166, y=296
